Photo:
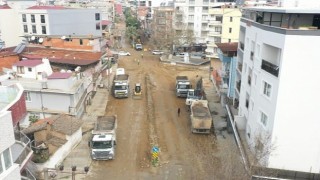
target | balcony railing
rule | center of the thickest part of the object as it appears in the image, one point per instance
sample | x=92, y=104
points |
x=21, y=150
x=270, y=68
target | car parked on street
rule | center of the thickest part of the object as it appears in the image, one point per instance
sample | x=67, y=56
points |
x=157, y=52
x=124, y=53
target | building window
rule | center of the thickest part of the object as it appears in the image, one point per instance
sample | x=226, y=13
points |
x=24, y=18
x=219, y=18
x=33, y=19
x=34, y=29
x=7, y=158
x=229, y=40
x=43, y=20
x=263, y=118
x=25, y=28
x=266, y=89
x=230, y=30
x=20, y=69
x=97, y=16
x=81, y=41
x=30, y=69
x=217, y=29
x=27, y=96
x=231, y=19
x=98, y=26
x=44, y=29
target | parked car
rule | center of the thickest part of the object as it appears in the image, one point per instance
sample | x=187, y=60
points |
x=157, y=52
x=124, y=53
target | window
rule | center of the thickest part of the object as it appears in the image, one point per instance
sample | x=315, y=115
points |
x=43, y=20
x=217, y=29
x=24, y=18
x=34, y=29
x=229, y=40
x=162, y=21
x=27, y=96
x=33, y=19
x=263, y=118
x=44, y=29
x=191, y=17
x=30, y=69
x=7, y=158
x=25, y=28
x=219, y=18
x=20, y=69
x=247, y=100
x=231, y=19
x=98, y=26
x=81, y=41
x=230, y=30
x=97, y=16
x=266, y=89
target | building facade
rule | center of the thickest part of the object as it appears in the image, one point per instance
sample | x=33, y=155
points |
x=48, y=93
x=224, y=23
x=15, y=149
x=277, y=61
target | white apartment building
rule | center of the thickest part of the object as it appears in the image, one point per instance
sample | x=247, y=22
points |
x=9, y=29
x=224, y=26
x=48, y=93
x=277, y=84
x=15, y=149
x=58, y=20
x=195, y=15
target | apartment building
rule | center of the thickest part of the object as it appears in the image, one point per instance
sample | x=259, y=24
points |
x=15, y=149
x=276, y=83
x=47, y=92
x=224, y=24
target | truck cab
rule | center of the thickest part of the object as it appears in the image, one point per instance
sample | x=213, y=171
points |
x=182, y=88
x=138, y=47
x=103, y=147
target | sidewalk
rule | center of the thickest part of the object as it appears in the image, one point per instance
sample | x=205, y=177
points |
x=80, y=155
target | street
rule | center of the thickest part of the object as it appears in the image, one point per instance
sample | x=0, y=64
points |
x=154, y=120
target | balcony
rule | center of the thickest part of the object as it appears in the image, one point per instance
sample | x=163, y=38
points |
x=238, y=85
x=215, y=23
x=215, y=33
x=270, y=68
x=21, y=150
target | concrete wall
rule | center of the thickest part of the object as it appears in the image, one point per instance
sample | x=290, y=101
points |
x=10, y=29
x=7, y=61
x=7, y=136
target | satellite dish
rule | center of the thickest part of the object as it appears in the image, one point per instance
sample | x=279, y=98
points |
x=40, y=40
x=33, y=38
x=63, y=37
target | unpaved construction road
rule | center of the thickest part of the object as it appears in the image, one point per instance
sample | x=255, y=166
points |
x=153, y=120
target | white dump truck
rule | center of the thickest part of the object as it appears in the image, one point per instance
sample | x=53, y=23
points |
x=182, y=86
x=120, y=87
x=201, y=119
x=103, y=141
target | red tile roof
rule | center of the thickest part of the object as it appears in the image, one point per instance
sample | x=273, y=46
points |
x=28, y=63
x=59, y=75
x=228, y=47
x=5, y=6
x=105, y=22
x=46, y=7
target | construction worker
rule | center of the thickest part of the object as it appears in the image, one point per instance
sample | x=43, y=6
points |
x=141, y=55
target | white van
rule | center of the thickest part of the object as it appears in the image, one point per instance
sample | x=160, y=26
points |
x=120, y=71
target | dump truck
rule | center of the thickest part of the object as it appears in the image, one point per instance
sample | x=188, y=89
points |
x=201, y=119
x=182, y=86
x=120, y=87
x=195, y=94
x=103, y=141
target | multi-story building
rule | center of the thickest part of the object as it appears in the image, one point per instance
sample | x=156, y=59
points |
x=196, y=16
x=58, y=20
x=15, y=149
x=9, y=30
x=162, y=26
x=224, y=23
x=47, y=92
x=276, y=83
